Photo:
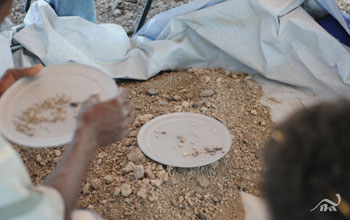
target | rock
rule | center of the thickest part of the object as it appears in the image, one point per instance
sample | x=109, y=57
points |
x=234, y=76
x=204, y=109
x=205, y=79
x=99, y=161
x=117, y=12
x=116, y=192
x=96, y=183
x=142, y=193
x=156, y=183
x=262, y=123
x=249, y=77
x=108, y=179
x=153, y=91
x=208, y=104
x=38, y=158
x=203, y=181
x=161, y=103
x=128, y=168
x=202, y=216
x=173, y=181
x=185, y=104
x=145, y=118
x=101, y=155
x=206, y=93
x=219, y=81
x=115, y=4
x=136, y=155
x=163, y=175
x=198, y=104
x=129, y=141
x=148, y=172
x=58, y=153
x=254, y=112
x=176, y=98
x=85, y=190
x=126, y=190
x=139, y=172
x=181, y=199
x=133, y=133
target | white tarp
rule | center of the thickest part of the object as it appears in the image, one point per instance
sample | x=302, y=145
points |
x=5, y=43
x=276, y=39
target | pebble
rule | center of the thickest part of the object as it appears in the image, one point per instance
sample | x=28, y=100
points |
x=153, y=91
x=38, y=158
x=136, y=155
x=116, y=192
x=115, y=4
x=128, y=168
x=208, y=104
x=254, y=112
x=101, y=155
x=203, y=181
x=163, y=175
x=148, y=172
x=142, y=193
x=108, y=179
x=198, y=104
x=139, y=172
x=185, y=104
x=86, y=189
x=205, y=79
x=206, y=93
x=96, y=183
x=99, y=161
x=126, y=190
x=133, y=133
x=161, y=103
x=202, y=216
x=117, y=12
x=262, y=123
x=58, y=153
x=145, y=118
x=176, y=98
x=156, y=183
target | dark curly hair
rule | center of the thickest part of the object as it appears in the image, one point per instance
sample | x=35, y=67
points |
x=307, y=160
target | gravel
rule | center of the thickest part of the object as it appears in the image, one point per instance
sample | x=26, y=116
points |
x=118, y=188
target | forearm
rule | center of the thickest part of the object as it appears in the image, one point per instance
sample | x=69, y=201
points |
x=71, y=170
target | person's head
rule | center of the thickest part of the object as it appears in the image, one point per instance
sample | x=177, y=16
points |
x=5, y=8
x=308, y=160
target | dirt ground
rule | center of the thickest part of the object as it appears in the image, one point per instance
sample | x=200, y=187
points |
x=164, y=192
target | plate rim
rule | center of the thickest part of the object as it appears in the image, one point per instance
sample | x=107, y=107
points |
x=53, y=69
x=164, y=162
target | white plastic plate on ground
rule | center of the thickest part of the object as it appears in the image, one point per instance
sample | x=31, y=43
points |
x=78, y=82
x=160, y=138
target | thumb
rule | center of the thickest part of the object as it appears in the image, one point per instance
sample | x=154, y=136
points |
x=26, y=72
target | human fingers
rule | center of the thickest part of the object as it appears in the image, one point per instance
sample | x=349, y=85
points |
x=26, y=72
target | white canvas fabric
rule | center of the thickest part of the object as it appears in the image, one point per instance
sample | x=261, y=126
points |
x=275, y=39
